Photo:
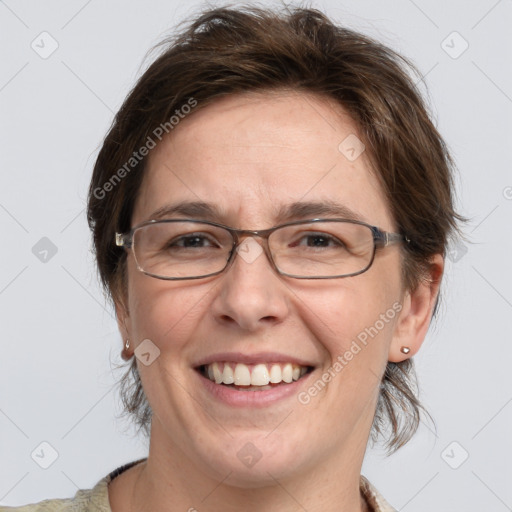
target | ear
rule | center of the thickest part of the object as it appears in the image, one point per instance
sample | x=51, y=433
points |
x=416, y=314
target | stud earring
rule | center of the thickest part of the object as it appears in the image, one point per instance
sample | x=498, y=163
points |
x=405, y=350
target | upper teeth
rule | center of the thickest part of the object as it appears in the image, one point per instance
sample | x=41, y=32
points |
x=255, y=375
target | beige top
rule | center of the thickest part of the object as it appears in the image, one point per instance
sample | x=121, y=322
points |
x=96, y=499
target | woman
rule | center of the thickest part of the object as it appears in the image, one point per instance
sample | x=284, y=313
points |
x=270, y=212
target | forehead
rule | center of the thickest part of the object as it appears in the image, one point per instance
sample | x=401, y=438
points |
x=252, y=154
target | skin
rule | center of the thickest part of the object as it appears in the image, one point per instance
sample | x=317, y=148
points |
x=248, y=154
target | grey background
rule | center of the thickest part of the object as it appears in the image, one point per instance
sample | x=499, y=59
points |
x=60, y=343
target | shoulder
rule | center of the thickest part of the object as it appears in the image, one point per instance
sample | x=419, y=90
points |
x=85, y=500
x=375, y=500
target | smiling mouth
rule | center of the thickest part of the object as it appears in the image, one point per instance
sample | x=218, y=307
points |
x=253, y=377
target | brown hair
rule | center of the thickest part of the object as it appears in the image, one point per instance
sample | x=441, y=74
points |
x=227, y=51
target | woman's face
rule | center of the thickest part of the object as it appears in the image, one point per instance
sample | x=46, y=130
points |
x=250, y=156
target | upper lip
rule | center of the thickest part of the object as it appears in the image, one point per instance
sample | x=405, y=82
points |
x=256, y=358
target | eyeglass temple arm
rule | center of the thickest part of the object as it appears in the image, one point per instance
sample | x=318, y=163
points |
x=124, y=240
x=385, y=238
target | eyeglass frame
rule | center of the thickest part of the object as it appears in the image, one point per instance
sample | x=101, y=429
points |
x=381, y=239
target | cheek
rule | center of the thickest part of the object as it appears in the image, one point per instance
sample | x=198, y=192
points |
x=344, y=311
x=353, y=324
x=166, y=312
x=354, y=335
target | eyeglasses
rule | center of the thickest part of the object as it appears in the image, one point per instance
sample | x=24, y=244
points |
x=178, y=249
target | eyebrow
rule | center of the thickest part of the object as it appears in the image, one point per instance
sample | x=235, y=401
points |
x=202, y=210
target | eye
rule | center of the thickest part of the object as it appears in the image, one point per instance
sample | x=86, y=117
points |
x=317, y=240
x=191, y=241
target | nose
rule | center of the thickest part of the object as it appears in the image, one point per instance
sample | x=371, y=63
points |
x=251, y=294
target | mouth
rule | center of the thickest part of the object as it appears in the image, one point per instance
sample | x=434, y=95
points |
x=253, y=377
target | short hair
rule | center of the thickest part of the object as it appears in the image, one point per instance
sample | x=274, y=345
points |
x=226, y=51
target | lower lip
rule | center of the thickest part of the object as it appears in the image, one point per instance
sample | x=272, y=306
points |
x=231, y=396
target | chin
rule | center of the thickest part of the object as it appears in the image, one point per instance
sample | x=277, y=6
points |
x=251, y=467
